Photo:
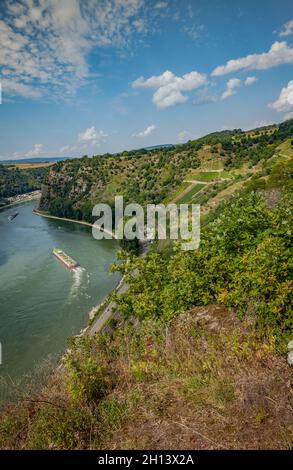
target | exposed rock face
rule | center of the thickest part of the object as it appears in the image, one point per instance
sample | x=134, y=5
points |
x=69, y=182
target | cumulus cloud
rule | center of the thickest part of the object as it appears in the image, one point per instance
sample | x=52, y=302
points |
x=170, y=88
x=230, y=90
x=65, y=149
x=250, y=81
x=234, y=83
x=279, y=53
x=45, y=43
x=262, y=123
x=184, y=136
x=284, y=102
x=36, y=151
x=146, y=132
x=288, y=116
x=86, y=140
x=287, y=29
x=92, y=136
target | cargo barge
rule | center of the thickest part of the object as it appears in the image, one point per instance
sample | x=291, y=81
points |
x=65, y=259
x=11, y=217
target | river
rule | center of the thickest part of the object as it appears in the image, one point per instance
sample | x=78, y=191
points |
x=41, y=302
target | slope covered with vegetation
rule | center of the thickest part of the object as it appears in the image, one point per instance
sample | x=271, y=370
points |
x=150, y=176
x=15, y=181
x=196, y=357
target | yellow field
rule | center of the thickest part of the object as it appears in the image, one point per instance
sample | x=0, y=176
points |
x=29, y=166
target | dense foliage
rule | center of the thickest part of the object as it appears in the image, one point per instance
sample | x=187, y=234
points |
x=244, y=261
x=15, y=181
x=72, y=188
x=149, y=176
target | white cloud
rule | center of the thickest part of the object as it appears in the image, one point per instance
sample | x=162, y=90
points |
x=17, y=88
x=262, y=123
x=65, y=149
x=288, y=116
x=92, y=136
x=169, y=87
x=284, y=102
x=279, y=53
x=45, y=43
x=234, y=83
x=287, y=29
x=86, y=140
x=37, y=151
x=250, y=81
x=184, y=136
x=146, y=132
x=230, y=90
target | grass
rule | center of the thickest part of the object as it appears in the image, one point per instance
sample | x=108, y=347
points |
x=188, y=385
x=207, y=176
x=285, y=149
x=206, y=154
x=213, y=165
x=189, y=196
x=177, y=193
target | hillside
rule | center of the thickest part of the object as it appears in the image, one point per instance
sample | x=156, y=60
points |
x=73, y=187
x=195, y=357
x=180, y=386
x=16, y=180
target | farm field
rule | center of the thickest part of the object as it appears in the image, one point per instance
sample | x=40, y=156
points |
x=189, y=196
x=207, y=176
x=28, y=166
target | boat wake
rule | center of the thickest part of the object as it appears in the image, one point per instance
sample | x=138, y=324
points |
x=78, y=276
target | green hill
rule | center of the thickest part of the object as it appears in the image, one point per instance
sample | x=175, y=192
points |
x=195, y=357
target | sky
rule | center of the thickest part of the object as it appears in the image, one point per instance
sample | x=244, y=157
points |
x=94, y=76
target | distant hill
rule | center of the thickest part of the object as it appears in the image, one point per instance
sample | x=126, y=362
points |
x=61, y=159
x=155, y=147
x=36, y=160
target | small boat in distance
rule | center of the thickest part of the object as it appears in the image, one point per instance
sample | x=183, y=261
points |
x=12, y=216
x=65, y=259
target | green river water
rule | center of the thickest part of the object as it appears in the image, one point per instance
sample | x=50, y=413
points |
x=41, y=302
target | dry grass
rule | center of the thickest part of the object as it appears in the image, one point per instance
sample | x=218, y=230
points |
x=213, y=386
x=221, y=196
x=206, y=381
x=29, y=166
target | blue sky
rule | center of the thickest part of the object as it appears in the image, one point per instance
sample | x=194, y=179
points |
x=92, y=76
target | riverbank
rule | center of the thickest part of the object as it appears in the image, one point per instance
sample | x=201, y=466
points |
x=40, y=298
x=100, y=314
x=21, y=198
x=81, y=222
x=103, y=313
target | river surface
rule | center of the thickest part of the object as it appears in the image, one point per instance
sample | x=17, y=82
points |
x=42, y=303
